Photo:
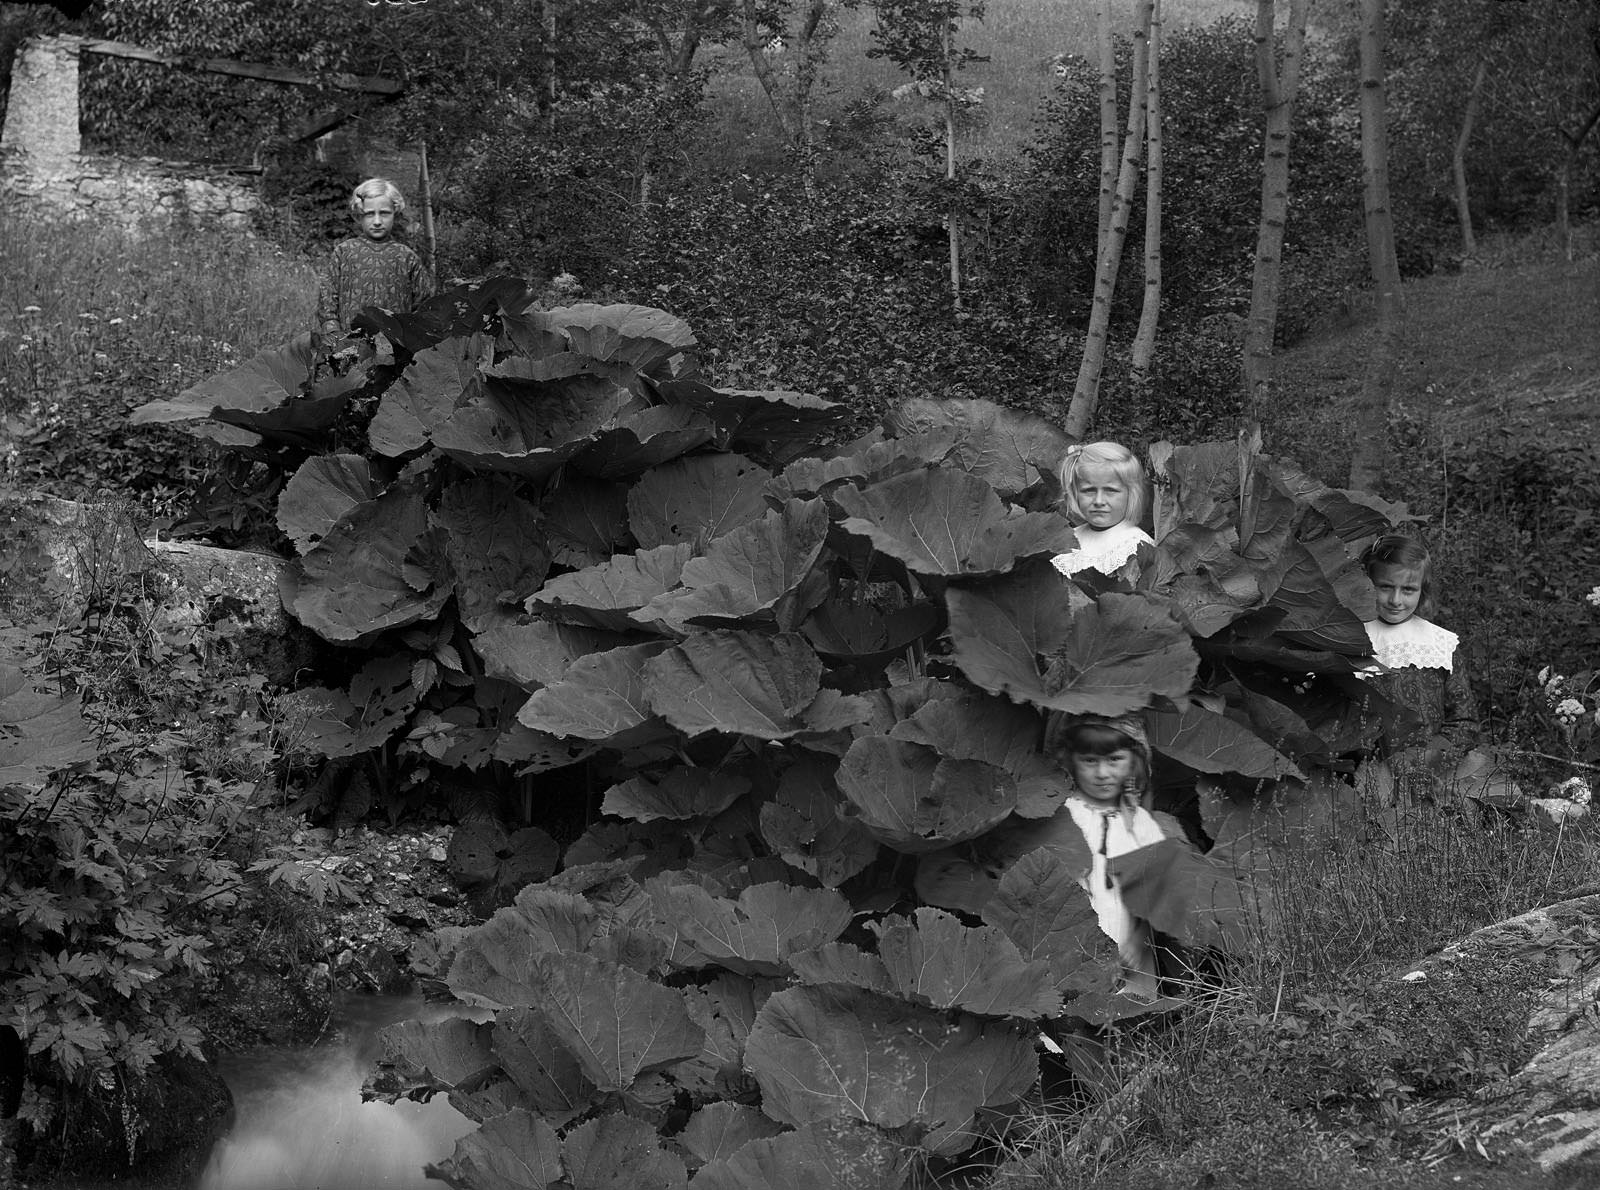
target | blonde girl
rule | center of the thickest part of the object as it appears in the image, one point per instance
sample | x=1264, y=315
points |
x=371, y=268
x=1106, y=495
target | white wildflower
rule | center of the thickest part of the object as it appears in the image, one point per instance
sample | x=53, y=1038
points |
x=1593, y=597
x=1575, y=790
x=1544, y=675
x=1570, y=710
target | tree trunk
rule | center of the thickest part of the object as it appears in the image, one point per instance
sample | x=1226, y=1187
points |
x=1564, y=178
x=952, y=215
x=1109, y=149
x=425, y=193
x=755, y=48
x=1086, y=392
x=1144, y=343
x=1278, y=92
x=1458, y=159
x=1369, y=455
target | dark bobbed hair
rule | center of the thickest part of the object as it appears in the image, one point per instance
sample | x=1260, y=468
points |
x=1101, y=739
x=1396, y=549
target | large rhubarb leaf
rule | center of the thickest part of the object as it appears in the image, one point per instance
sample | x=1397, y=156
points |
x=945, y=522
x=319, y=493
x=1040, y=906
x=639, y=336
x=585, y=520
x=1319, y=586
x=39, y=733
x=748, y=572
x=1195, y=899
x=602, y=695
x=805, y=823
x=725, y=1008
x=1213, y=743
x=682, y=793
x=495, y=547
x=975, y=726
x=436, y=382
x=859, y=630
x=423, y=1058
x=719, y=1130
x=372, y=572
x=696, y=499
x=346, y=723
x=530, y=430
x=779, y=425
x=643, y=439
x=740, y=683
x=935, y=960
x=550, y=1079
x=915, y=800
x=513, y=1151
x=617, y=1023
x=823, y=1052
x=828, y=1155
x=540, y=653
x=756, y=933
x=265, y=381
x=863, y=463
x=1006, y=448
x=999, y=629
x=617, y=1152
x=603, y=596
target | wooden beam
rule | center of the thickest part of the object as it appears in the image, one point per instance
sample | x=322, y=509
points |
x=369, y=84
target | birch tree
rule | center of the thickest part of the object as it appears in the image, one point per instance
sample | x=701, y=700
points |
x=1086, y=391
x=1144, y=342
x=1369, y=456
x=1280, y=86
x=1458, y=159
x=1109, y=119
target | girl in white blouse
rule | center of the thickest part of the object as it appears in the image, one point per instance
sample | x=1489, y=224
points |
x=1106, y=494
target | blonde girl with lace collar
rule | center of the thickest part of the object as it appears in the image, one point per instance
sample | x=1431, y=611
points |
x=1106, y=494
x=1108, y=762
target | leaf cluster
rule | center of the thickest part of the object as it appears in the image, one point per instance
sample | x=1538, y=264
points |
x=812, y=678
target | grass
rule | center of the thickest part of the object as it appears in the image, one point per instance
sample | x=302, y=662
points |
x=95, y=321
x=1016, y=36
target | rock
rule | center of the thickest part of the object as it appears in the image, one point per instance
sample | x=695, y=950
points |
x=1550, y=1108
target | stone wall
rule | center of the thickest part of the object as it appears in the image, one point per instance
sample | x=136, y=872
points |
x=43, y=167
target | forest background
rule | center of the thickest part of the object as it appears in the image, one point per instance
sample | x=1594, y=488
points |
x=753, y=172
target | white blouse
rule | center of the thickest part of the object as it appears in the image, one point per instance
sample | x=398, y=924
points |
x=1104, y=550
x=1113, y=830
x=1415, y=642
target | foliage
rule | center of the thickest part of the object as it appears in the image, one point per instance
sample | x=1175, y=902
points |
x=797, y=668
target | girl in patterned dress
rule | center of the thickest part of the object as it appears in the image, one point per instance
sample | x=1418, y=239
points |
x=1104, y=489
x=373, y=268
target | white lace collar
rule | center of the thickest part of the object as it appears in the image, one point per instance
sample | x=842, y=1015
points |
x=1415, y=642
x=1102, y=549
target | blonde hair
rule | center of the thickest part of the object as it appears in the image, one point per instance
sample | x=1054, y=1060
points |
x=1124, y=464
x=376, y=188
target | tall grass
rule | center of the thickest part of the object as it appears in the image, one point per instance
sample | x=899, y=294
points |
x=96, y=320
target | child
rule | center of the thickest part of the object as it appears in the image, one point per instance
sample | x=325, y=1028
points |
x=1108, y=761
x=373, y=268
x=1418, y=669
x=1106, y=494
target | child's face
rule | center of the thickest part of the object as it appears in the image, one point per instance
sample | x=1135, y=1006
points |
x=1101, y=778
x=1399, y=591
x=377, y=217
x=1102, y=496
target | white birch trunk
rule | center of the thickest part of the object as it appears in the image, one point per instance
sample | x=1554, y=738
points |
x=1144, y=343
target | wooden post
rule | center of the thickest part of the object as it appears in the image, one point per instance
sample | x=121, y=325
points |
x=425, y=186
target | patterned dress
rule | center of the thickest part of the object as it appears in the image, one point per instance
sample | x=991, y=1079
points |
x=364, y=272
x=1420, y=674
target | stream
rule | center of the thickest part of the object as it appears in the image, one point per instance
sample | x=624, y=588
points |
x=300, y=1123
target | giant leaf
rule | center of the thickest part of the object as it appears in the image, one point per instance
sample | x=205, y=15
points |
x=345, y=723
x=859, y=630
x=529, y=430
x=319, y=493
x=823, y=1052
x=756, y=933
x=617, y=1023
x=586, y=520
x=719, y=1130
x=267, y=380
x=965, y=878
x=869, y=463
x=682, y=793
x=1191, y=897
x=804, y=822
x=422, y=1058
x=1122, y=651
x=933, y=959
x=696, y=499
x=999, y=629
x=540, y=653
x=914, y=800
x=1213, y=743
x=602, y=695
x=748, y=571
x=1319, y=585
x=1041, y=907
x=1006, y=448
x=617, y=1152
x=640, y=336
x=975, y=727
x=363, y=578
x=603, y=596
x=513, y=1151
x=740, y=683
x=495, y=547
x=725, y=1008
x=780, y=425
x=436, y=382
x=837, y=1154
x=642, y=439
x=945, y=522
x=39, y=733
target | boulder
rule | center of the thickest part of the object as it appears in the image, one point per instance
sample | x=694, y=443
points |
x=1550, y=1108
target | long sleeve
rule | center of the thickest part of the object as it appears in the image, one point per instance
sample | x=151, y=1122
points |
x=422, y=283
x=328, y=320
x=1460, y=723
